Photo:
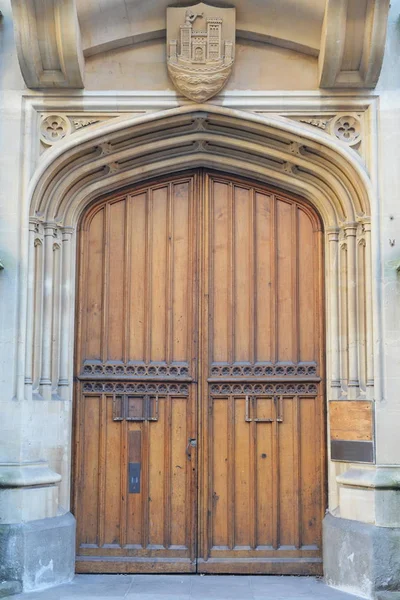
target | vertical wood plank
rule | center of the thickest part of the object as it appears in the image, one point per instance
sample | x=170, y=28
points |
x=285, y=339
x=138, y=276
x=89, y=492
x=112, y=476
x=93, y=286
x=265, y=284
x=102, y=470
x=221, y=459
x=221, y=290
x=169, y=274
x=265, y=475
x=168, y=443
x=182, y=278
x=124, y=495
x=105, y=281
x=137, y=513
x=159, y=287
x=242, y=299
x=231, y=473
x=156, y=481
x=253, y=495
x=310, y=472
x=180, y=525
x=115, y=287
x=307, y=284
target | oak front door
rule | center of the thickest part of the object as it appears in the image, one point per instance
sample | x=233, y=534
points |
x=199, y=421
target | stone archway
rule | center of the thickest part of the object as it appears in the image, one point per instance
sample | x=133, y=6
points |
x=269, y=149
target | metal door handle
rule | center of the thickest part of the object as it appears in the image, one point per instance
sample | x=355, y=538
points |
x=192, y=443
x=278, y=400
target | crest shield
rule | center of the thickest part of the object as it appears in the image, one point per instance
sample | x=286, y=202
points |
x=200, y=49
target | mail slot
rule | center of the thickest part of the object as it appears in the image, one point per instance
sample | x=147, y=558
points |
x=134, y=478
x=135, y=458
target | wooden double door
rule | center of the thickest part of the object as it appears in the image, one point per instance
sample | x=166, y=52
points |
x=199, y=427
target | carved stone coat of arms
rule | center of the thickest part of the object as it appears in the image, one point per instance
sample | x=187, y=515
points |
x=201, y=49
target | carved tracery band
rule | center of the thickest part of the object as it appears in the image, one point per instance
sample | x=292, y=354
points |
x=171, y=389
x=265, y=370
x=248, y=389
x=164, y=370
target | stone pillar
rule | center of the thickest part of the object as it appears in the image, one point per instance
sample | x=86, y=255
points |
x=37, y=547
x=353, y=379
x=64, y=384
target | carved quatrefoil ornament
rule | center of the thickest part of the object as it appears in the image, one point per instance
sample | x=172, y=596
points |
x=201, y=49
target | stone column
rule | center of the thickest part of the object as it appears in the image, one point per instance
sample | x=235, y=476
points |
x=33, y=226
x=333, y=295
x=45, y=375
x=353, y=379
x=64, y=387
x=368, y=302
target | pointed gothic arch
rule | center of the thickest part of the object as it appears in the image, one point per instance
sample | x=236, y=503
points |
x=271, y=149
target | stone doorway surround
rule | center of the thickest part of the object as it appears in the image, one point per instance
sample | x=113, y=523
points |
x=320, y=147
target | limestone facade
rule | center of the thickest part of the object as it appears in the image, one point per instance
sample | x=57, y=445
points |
x=85, y=104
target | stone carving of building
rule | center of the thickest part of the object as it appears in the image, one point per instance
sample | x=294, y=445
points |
x=200, y=61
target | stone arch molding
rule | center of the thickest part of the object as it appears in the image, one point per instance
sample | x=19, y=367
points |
x=268, y=148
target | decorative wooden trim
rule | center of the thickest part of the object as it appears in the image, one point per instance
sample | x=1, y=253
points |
x=264, y=370
x=140, y=371
x=160, y=389
x=247, y=389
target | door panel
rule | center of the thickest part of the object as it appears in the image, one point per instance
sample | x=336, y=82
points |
x=135, y=492
x=262, y=492
x=199, y=320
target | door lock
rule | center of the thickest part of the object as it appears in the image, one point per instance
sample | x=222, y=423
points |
x=192, y=443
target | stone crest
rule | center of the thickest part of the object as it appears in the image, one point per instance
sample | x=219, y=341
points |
x=201, y=49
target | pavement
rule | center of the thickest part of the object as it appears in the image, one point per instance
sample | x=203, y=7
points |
x=189, y=587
